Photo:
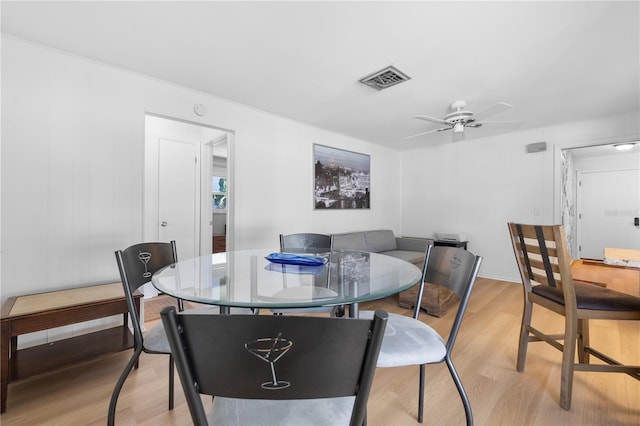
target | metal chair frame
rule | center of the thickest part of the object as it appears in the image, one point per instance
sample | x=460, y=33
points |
x=315, y=358
x=137, y=264
x=455, y=269
x=308, y=243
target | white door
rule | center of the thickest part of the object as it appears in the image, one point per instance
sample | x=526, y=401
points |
x=179, y=195
x=177, y=191
x=607, y=204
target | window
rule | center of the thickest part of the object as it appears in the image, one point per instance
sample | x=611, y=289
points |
x=219, y=193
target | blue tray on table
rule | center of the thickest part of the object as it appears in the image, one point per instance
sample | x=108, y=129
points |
x=295, y=259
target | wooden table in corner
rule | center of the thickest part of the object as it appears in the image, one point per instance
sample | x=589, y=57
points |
x=620, y=270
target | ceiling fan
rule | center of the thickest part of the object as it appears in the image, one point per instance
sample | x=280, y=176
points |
x=461, y=118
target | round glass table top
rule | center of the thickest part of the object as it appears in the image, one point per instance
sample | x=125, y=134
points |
x=246, y=278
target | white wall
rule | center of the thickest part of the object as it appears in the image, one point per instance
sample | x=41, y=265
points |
x=72, y=168
x=72, y=173
x=607, y=162
x=477, y=186
x=73, y=137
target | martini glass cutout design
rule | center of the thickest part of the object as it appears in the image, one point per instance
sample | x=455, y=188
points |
x=306, y=243
x=455, y=264
x=270, y=349
x=145, y=257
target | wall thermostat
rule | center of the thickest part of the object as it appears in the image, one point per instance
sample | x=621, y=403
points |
x=200, y=109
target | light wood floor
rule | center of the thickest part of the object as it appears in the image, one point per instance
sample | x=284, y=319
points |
x=484, y=355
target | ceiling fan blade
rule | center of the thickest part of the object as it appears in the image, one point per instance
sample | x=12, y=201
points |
x=427, y=132
x=492, y=110
x=431, y=119
x=503, y=124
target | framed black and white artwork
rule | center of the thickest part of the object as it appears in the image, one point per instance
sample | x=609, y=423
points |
x=341, y=178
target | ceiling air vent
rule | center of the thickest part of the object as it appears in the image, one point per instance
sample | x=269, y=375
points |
x=387, y=77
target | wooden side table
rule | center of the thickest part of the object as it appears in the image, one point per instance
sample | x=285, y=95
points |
x=447, y=243
x=219, y=243
x=625, y=279
x=42, y=311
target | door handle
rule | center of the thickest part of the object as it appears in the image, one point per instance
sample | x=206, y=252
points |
x=163, y=224
x=636, y=221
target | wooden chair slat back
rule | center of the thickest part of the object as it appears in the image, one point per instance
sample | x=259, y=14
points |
x=542, y=255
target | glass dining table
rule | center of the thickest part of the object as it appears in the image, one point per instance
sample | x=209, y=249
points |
x=246, y=279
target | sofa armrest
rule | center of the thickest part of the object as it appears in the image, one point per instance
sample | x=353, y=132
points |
x=413, y=244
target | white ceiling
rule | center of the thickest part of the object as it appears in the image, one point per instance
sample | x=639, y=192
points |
x=556, y=62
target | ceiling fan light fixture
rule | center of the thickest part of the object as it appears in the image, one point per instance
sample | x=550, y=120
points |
x=458, y=128
x=624, y=146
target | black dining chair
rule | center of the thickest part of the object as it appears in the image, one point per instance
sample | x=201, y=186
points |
x=308, y=243
x=285, y=370
x=137, y=264
x=409, y=341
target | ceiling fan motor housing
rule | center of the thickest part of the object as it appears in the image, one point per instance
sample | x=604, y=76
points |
x=458, y=117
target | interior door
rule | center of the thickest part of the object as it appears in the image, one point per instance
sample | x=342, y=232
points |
x=179, y=195
x=607, y=205
x=178, y=189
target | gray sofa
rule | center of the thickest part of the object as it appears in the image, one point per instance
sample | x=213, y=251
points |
x=384, y=242
x=435, y=300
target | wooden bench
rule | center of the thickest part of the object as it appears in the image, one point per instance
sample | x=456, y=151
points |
x=43, y=311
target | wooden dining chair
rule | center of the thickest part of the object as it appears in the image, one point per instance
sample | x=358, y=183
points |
x=275, y=370
x=545, y=268
x=409, y=341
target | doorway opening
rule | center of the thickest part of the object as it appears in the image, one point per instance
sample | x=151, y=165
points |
x=187, y=189
x=600, y=191
x=219, y=178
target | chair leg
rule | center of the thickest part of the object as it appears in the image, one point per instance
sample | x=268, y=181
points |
x=171, y=382
x=568, y=360
x=461, y=391
x=111, y=417
x=583, y=341
x=421, y=395
x=524, y=334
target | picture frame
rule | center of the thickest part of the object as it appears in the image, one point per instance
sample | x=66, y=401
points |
x=342, y=179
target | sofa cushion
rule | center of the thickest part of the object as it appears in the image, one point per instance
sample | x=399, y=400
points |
x=380, y=240
x=350, y=241
x=414, y=257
